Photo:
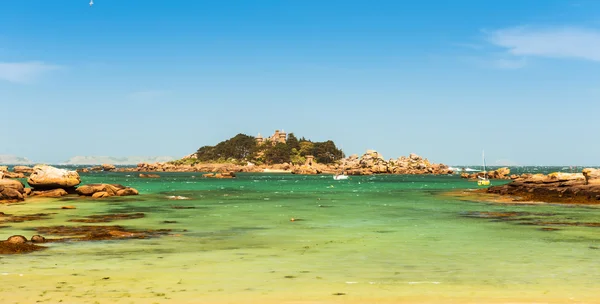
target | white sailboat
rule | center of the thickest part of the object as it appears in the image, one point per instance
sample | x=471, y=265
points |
x=340, y=176
x=483, y=181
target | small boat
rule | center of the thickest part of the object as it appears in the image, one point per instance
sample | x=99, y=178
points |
x=340, y=177
x=483, y=181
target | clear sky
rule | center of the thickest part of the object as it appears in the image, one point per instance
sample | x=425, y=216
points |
x=443, y=79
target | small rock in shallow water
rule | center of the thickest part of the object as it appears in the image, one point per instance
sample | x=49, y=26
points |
x=12, y=248
x=104, y=218
x=50, y=193
x=38, y=239
x=549, y=229
x=17, y=239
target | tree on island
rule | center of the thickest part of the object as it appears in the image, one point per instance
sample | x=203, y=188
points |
x=240, y=147
x=327, y=152
x=278, y=154
x=244, y=148
x=293, y=142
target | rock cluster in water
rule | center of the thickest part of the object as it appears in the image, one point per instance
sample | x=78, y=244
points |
x=18, y=244
x=372, y=162
x=369, y=163
x=18, y=172
x=555, y=187
x=48, y=181
x=11, y=190
x=105, y=190
x=219, y=175
x=500, y=173
x=46, y=177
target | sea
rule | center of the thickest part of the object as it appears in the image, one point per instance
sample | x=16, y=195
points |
x=283, y=238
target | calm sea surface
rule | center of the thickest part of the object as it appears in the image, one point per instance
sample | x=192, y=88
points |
x=388, y=239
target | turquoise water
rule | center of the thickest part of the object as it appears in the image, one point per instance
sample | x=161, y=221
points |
x=368, y=239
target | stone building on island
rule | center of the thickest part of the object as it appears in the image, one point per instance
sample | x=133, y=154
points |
x=277, y=137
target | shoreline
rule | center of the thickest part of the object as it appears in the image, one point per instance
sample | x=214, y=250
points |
x=482, y=195
x=565, y=188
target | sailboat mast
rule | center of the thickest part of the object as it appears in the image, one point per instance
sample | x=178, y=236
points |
x=484, y=170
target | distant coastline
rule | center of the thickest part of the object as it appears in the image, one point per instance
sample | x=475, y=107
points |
x=14, y=160
x=118, y=161
x=88, y=160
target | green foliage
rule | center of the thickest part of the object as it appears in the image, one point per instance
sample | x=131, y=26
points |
x=187, y=161
x=326, y=152
x=296, y=158
x=306, y=148
x=242, y=148
x=293, y=142
x=278, y=154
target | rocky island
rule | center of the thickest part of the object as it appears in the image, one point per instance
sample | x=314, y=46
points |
x=48, y=181
x=284, y=153
x=558, y=187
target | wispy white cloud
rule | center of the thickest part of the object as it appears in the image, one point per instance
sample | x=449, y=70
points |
x=561, y=42
x=497, y=62
x=24, y=72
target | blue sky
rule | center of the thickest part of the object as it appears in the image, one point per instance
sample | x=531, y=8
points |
x=443, y=79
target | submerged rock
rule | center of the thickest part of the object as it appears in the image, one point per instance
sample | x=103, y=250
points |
x=220, y=175
x=142, y=175
x=105, y=218
x=50, y=193
x=99, y=233
x=38, y=239
x=11, y=248
x=17, y=244
x=7, y=218
x=128, y=191
x=47, y=177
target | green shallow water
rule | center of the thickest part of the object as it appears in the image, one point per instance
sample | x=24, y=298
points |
x=368, y=239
